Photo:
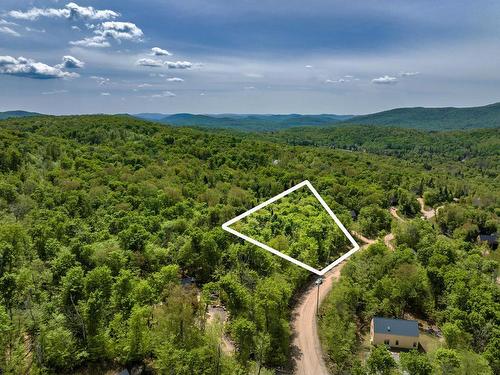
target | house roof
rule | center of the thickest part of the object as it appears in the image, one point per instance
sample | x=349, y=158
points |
x=398, y=327
x=490, y=238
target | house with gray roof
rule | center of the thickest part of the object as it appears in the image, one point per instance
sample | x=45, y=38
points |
x=396, y=333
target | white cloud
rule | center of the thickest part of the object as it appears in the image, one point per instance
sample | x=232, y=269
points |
x=175, y=79
x=54, y=92
x=308, y=66
x=249, y=87
x=408, y=74
x=74, y=27
x=142, y=85
x=23, y=67
x=35, y=13
x=157, y=51
x=111, y=29
x=7, y=30
x=77, y=11
x=178, y=64
x=163, y=94
x=30, y=29
x=161, y=75
x=120, y=30
x=340, y=80
x=105, y=94
x=101, y=80
x=70, y=62
x=94, y=41
x=3, y=22
x=149, y=62
x=70, y=11
x=385, y=80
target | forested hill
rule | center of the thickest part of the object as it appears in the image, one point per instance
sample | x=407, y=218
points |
x=105, y=220
x=447, y=118
x=477, y=147
x=13, y=114
x=245, y=122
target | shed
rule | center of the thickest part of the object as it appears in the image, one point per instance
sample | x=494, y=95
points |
x=396, y=333
x=490, y=239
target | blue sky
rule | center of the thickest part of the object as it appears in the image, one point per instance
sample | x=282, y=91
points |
x=219, y=56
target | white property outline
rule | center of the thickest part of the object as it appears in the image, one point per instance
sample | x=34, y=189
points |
x=356, y=247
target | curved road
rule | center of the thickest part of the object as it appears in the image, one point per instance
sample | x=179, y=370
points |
x=309, y=359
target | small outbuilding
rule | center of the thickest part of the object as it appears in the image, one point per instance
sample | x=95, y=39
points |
x=490, y=239
x=396, y=333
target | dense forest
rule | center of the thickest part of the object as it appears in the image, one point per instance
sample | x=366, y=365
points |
x=106, y=221
x=297, y=225
x=474, y=148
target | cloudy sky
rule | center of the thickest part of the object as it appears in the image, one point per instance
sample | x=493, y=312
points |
x=247, y=56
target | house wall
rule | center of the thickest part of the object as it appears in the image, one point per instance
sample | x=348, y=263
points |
x=403, y=341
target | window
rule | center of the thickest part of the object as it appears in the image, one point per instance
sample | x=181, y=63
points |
x=386, y=342
x=397, y=342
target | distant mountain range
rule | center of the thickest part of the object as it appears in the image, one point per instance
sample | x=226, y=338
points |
x=447, y=118
x=245, y=122
x=11, y=114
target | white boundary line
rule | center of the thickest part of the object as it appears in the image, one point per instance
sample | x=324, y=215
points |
x=226, y=225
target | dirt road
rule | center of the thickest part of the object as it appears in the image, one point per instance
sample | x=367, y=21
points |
x=388, y=241
x=394, y=213
x=428, y=214
x=218, y=315
x=309, y=356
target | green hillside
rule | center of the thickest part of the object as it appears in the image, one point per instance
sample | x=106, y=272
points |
x=14, y=114
x=112, y=253
x=435, y=118
x=475, y=147
x=448, y=118
x=255, y=123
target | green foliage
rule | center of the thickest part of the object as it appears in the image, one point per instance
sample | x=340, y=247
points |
x=447, y=361
x=380, y=361
x=58, y=346
x=373, y=219
x=101, y=217
x=134, y=237
x=415, y=363
x=243, y=332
